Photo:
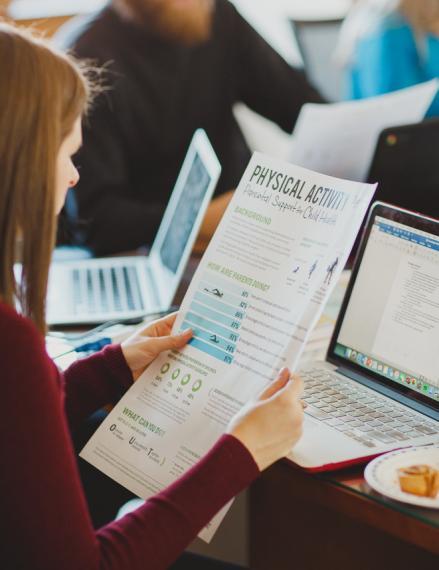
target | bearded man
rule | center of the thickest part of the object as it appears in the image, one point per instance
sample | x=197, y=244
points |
x=175, y=66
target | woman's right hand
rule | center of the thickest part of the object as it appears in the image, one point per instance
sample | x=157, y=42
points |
x=270, y=426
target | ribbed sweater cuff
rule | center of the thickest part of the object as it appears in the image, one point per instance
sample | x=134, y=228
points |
x=117, y=365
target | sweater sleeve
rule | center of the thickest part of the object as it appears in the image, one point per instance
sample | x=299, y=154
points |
x=176, y=515
x=45, y=524
x=94, y=382
x=264, y=80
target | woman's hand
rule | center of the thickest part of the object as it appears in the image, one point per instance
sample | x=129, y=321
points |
x=270, y=426
x=144, y=346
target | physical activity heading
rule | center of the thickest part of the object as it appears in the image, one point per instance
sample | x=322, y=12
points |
x=298, y=188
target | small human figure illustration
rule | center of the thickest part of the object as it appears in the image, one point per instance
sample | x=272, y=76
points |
x=330, y=272
x=214, y=339
x=215, y=292
x=312, y=269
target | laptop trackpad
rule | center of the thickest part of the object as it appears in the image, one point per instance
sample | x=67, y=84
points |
x=321, y=445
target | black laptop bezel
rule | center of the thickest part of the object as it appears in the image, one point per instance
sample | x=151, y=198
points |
x=374, y=380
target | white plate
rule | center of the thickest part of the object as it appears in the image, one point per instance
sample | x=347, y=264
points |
x=381, y=473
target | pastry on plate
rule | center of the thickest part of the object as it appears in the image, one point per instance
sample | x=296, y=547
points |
x=421, y=480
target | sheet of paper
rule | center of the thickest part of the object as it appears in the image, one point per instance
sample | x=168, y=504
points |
x=340, y=139
x=253, y=301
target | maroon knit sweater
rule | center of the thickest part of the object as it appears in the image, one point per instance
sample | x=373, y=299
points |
x=45, y=524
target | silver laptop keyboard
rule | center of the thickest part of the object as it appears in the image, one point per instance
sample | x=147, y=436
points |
x=360, y=413
x=106, y=289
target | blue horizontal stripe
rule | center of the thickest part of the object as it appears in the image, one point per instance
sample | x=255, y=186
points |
x=215, y=316
x=211, y=350
x=194, y=320
x=235, y=312
x=211, y=338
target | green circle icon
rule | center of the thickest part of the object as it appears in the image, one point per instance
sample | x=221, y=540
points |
x=196, y=386
x=186, y=379
x=175, y=373
x=165, y=368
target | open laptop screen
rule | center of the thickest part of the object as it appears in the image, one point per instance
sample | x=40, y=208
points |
x=391, y=321
x=185, y=214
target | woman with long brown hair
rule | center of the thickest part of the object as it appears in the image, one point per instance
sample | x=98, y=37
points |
x=387, y=45
x=45, y=524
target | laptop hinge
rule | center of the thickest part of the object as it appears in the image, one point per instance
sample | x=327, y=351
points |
x=385, y=391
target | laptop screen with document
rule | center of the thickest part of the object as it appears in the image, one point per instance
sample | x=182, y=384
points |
x=389, y=323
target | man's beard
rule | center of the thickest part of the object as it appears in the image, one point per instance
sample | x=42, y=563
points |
x=186, y=25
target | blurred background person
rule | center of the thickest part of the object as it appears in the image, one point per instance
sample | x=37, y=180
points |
x=173, y=67
x=387, y=45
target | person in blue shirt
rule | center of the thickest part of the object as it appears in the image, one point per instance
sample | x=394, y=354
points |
x=387, y=45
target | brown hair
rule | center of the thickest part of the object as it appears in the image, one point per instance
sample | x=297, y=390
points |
x=423, y=15
x=43, y=92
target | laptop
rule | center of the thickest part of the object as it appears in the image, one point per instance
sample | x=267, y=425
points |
x=406, y=158
x=378, y=388
x=123, y=288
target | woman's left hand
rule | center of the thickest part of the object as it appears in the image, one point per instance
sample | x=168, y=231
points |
x=145, y=345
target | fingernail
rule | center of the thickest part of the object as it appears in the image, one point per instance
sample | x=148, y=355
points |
x=284, y=371
x=186, y=332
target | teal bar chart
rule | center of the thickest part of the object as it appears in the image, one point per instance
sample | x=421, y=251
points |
x=215, y=315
